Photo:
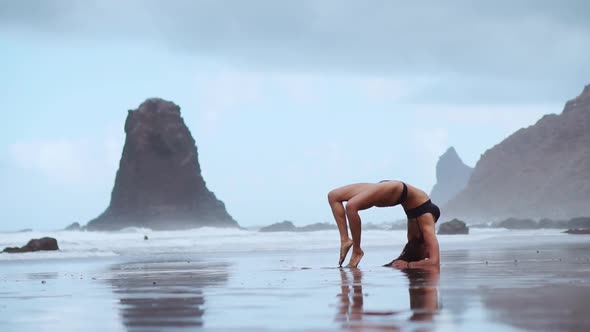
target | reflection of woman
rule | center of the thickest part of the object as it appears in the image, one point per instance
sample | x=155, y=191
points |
x=351, y=303
x=422, y=248
x=423, y=292
x=422, y=288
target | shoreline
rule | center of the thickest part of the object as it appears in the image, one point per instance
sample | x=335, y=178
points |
x=304, y=290
x=212, y=242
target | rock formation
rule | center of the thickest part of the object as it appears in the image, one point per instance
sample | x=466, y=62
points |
x=454, y=226
x=548, y=223
x=159, y=183
x=579, y=222
x=320, y=226
x=578, y=231
x=288, y=226
x=452, y=176
x=74, y=227
x=514, y=223
x=542, y=171
x=45, y=243
x=285, y=226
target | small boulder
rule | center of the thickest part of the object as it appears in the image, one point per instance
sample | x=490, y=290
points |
x=454, y=226
x=42, y=244
x=320, y=226
x=578, y=231
x=285, y=226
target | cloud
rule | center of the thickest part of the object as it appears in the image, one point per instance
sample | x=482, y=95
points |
x=78, y=162
x=522, y=49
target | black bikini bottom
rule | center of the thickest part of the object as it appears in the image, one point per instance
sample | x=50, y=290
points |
x=427, y=207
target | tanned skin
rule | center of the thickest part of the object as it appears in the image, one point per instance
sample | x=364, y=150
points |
x=362, y=196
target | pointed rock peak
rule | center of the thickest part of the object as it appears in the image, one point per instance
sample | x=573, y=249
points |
x=157, y=105
x=450, y=159
x=451, y=155
x=580, y=103
x=451, y=176
x=451, y=152
x=585, y=95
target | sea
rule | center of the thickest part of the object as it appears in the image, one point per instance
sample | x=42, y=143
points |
x=132, y=242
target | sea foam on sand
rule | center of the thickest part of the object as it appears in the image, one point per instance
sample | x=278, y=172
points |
x=130, y=241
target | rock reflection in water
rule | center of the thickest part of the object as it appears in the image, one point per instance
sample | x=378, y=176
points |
x=424, y=300
x=155, y=295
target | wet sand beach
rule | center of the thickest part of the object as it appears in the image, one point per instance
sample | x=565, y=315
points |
x=532, y=283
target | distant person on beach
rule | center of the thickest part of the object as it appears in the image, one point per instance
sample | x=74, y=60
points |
x=422, y=247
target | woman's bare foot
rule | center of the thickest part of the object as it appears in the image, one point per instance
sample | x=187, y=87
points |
x=344, y=248
x=355, y=259
x=390, y=264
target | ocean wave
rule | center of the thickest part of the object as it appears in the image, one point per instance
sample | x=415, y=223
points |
x=74, y=244
x=60, y=254
x=135, y=230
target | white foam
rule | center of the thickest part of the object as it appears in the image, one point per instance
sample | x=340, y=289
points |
x=131, y=241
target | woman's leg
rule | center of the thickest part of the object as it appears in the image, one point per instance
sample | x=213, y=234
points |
x=336, y=198
x=362, y=201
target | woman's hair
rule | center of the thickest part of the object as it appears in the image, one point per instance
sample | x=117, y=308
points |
x=415, y=250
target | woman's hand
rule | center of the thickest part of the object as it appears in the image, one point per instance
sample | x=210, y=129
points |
x=400, y=264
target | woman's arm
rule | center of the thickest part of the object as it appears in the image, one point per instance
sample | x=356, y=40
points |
x=431, y=243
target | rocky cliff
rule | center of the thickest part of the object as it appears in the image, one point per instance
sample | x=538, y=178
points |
x=451, y=177
x=159, y=183
x=542, y=171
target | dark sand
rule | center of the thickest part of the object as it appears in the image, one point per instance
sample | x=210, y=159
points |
x=517, y=289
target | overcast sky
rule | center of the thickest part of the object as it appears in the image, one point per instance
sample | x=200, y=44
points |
x=286, y=99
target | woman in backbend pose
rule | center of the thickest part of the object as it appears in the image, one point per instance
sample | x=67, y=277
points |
x=422, y=247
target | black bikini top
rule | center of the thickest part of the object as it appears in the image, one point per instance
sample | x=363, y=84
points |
x=404, y=195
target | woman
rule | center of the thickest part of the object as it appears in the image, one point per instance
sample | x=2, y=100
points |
x=422, y=247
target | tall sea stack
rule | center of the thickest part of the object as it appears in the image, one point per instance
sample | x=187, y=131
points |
x=159, y=183
x=452, y=176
